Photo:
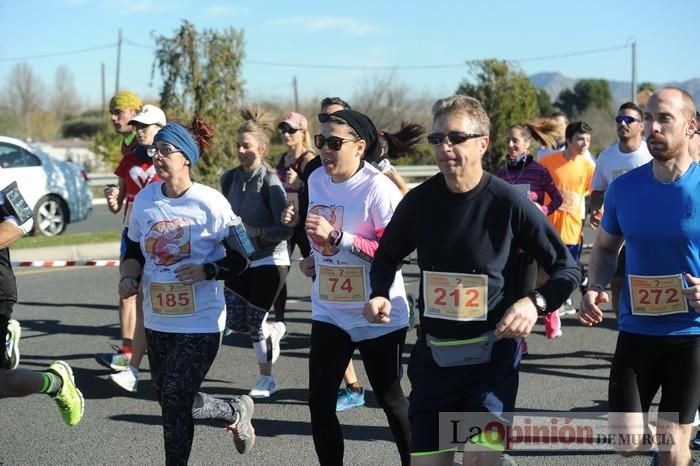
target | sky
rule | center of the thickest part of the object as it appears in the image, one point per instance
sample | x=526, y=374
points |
x=339, y=48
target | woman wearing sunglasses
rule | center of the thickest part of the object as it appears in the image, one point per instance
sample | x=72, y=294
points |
x=257, y=196
x=176, y=251
x=294, y=131
x=534, y=181
x=350, y=203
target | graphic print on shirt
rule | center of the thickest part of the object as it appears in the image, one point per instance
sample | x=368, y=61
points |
x=168, y=241
x=334, y=215
x=142, y=177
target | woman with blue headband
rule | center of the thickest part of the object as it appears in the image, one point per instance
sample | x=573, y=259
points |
x=179, y=245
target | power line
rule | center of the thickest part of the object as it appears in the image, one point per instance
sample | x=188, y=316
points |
x=573, y=54
x=58, y=54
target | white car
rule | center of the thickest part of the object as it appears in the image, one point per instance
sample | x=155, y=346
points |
x=57, y=191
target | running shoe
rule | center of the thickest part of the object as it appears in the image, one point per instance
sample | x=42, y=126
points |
x=349, y=398
x=14, y=332
x=568, y=308
x=128, y=379
x=70, y=401
x=265, y=386
x=278, y=332
x=117, y=361
x=695, y=443
x=243, y=430
x=552, y=325
x=507, y=460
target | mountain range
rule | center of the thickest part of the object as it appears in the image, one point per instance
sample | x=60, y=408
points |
x=554, y=83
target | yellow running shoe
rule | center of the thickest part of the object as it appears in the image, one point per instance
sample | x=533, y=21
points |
x=69, y=399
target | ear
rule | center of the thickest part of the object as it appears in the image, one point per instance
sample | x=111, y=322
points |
x=692, y=126
x=362, y=145
x=484, y=144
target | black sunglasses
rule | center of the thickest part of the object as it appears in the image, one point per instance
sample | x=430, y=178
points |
x=627, y=119
x=334, y=142
x=454, y=137
x=285, y=128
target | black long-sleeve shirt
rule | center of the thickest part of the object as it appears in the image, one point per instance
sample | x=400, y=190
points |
x=477, y=232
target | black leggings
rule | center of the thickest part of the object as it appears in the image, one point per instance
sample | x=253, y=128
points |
x=179, y=363
x=331, y=349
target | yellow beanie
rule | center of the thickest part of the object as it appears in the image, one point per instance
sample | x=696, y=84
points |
x=125, y=100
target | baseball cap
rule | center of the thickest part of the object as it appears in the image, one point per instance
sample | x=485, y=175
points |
x=296, y=121
x=149, y=115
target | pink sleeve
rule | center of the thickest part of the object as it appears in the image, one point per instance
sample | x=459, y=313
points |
x=366, y=247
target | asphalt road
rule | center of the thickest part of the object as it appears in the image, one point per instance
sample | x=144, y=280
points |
x=71, y=314
x=100, y=219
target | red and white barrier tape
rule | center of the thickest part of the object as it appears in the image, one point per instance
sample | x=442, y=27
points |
x=104, y=263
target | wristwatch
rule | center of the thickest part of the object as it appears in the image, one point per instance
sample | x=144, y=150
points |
x=211, y=271
x=539, y=301
x=335, y=236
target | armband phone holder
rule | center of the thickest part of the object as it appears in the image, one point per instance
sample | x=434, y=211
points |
x=15, y=204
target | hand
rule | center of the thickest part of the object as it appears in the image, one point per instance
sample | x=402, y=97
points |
x=308, y=266
x=290, y=217
x=532, y=195
x=190, y=273
x=590, y=312
x=128, y=287
x=253, y=232
x=317, y=228
x=377, y=310
x=292, y=178
x=595, y=218
x=692, y=293
x=111, y=195
x=518, y=319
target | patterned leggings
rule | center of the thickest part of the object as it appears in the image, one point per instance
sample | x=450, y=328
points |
x=179, y=363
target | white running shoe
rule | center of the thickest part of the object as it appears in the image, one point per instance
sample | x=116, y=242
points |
x=14, y=332
x=278, y=332
x=265, y=386
x=568, y=308
x=128, y=379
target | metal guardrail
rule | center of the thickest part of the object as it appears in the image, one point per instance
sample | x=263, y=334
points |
x=407, y=171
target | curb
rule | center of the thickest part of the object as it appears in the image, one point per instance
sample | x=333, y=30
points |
x=78, y=252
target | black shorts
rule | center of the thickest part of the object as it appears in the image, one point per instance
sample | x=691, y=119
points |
x=644, y=363
x=620, y=271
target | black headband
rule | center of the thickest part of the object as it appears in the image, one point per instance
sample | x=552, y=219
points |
x=364, y=128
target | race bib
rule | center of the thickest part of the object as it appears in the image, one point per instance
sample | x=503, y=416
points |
x=523, y=188
x=455, y=296
x=173, y=299
x=571, y=202
x=343, y=284
x=657, y=295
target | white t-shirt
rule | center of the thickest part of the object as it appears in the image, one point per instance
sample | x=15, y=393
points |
x=173, y=232
x=612, y=162
x=361, y=207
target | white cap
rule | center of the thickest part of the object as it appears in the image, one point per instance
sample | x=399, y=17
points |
x=149, y=115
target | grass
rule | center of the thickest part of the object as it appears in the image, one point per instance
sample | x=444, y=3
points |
x=66, y=240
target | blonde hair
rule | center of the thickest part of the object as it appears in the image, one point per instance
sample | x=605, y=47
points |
x=544, y=131
x=258, y=123
x=468, y=106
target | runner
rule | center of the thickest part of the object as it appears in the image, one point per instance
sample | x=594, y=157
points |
x=294, y=131
x=257, y=196
x=629, y=152
x=532, y=179
x=58, y=381
x=394, y=145
x=181, y=240
x=466, y=225
x=572, y=172
x=134, y=171
x=123, y=108
x=659, y=341
x=350, y=203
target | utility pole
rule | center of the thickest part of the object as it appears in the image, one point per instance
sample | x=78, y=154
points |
x=634, y=71
x=296, y=94
x=104, y=97
x=119, y=59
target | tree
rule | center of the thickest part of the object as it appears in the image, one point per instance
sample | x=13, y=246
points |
x=587, y=93
x=508, y=97
x=544, y=103
x=23, y=93
x=201, y=76
x=646, y=86
x=64, y=100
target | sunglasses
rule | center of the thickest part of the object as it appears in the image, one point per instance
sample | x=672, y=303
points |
x=454, y=137
x=140, y=126
x=627, y=119
x=285, y=128
x=334, y=142
x=165, y=151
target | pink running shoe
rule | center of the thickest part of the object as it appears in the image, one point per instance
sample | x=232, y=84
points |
x=552, y=325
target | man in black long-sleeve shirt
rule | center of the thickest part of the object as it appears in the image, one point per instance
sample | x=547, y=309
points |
x=467, y=227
